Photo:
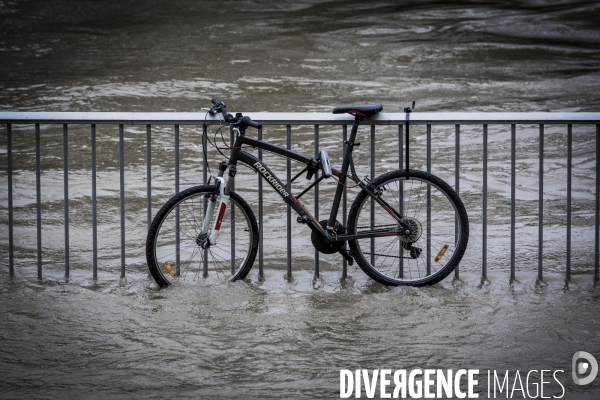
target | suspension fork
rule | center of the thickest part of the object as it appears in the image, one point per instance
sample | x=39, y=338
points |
x=224, y=190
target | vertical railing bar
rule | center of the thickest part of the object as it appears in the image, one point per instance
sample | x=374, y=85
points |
x=456, y=186
x=94, y=209
x=569, y=187
x=597, y=244
x=344, y=203
x=541, y=208
x=38, y=199
x=316, y=140
x=513, y=163
x=122, y=195
x=372, y=202
x=485, y=192
x=260, y=215
x=400, y=197
x=177, y=232
x=149, y=176
x=11, y=258
x=429, y=201
x=204, y=158
x=149, y=173
x=66, y=194
x=232, y=209
x=204, y=182
x=289, y=209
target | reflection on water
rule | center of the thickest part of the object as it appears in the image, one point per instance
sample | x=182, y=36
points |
x=277, y=339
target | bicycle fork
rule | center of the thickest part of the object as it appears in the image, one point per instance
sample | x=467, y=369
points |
x=210, y=209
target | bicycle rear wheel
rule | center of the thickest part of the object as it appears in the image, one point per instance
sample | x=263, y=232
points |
x=174, y=245
x=439, y=230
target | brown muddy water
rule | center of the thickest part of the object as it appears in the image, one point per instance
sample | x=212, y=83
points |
x=112, y=338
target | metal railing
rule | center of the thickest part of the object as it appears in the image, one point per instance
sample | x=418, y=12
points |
x=456, y=120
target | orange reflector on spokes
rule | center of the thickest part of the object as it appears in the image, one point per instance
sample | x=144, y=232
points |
x=441, y=253
x=172, y=272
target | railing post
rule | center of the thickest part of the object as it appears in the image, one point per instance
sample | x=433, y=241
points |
x=428, y=201
x=11, y=254
x=38, y=199
x=204, y=181
x=232, y=210
x=260, y=215
x=513, y=155
x=204, y=155
x=177, y=235
x=400, y=198
x=569, y=186
x=66, y=194
x=149, y=173
x=456, y=186
x=372, y=202
x=344, y=203
x=597, y=244
x=485, y=190
x=94, y=210
x=288, y=140
x=541, y=208
x=316, y=140
x=122, y=196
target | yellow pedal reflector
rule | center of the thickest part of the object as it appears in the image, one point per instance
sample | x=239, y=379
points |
x=441, y=253
x=172, y=272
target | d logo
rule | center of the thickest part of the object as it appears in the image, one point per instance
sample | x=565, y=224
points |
x=590, y=365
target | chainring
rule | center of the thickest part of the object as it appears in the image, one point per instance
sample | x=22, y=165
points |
x=319, y=241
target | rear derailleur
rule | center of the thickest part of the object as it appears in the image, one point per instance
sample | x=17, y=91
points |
x=415, y=252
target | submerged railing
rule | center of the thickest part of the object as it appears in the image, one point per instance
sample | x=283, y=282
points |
x=316, y=120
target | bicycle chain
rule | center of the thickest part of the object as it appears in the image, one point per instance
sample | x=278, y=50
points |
x=384, y=255
x=374, y=226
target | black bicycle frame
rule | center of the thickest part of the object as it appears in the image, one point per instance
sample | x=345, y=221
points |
x=304, y=215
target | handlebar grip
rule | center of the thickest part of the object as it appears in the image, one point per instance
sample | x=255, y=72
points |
x=215, y=102
x=249, y=122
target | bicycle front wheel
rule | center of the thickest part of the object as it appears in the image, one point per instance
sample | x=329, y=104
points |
x=177, y=250
x=438, y=236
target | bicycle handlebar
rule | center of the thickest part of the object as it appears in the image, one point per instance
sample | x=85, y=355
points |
x=247, y=121
x=238, y=120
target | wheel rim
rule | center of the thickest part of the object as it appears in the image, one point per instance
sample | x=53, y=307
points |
x=391, y=257
x=226, y=259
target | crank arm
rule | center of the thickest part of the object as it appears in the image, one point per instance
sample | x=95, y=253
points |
x=346, y=254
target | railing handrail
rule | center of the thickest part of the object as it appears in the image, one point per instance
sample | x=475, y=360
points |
x=301, y=118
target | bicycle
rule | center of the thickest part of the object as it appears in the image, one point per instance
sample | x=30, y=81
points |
x=405, y=227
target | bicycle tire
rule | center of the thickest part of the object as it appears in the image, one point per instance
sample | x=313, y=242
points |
x=391, y=259
x=188, y=208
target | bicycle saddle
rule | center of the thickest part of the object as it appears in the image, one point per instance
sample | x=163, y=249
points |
x=366, y=110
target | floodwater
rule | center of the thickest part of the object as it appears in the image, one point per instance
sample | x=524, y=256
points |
x=112, y=338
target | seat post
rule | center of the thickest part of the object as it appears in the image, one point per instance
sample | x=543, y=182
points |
x=343, y=173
